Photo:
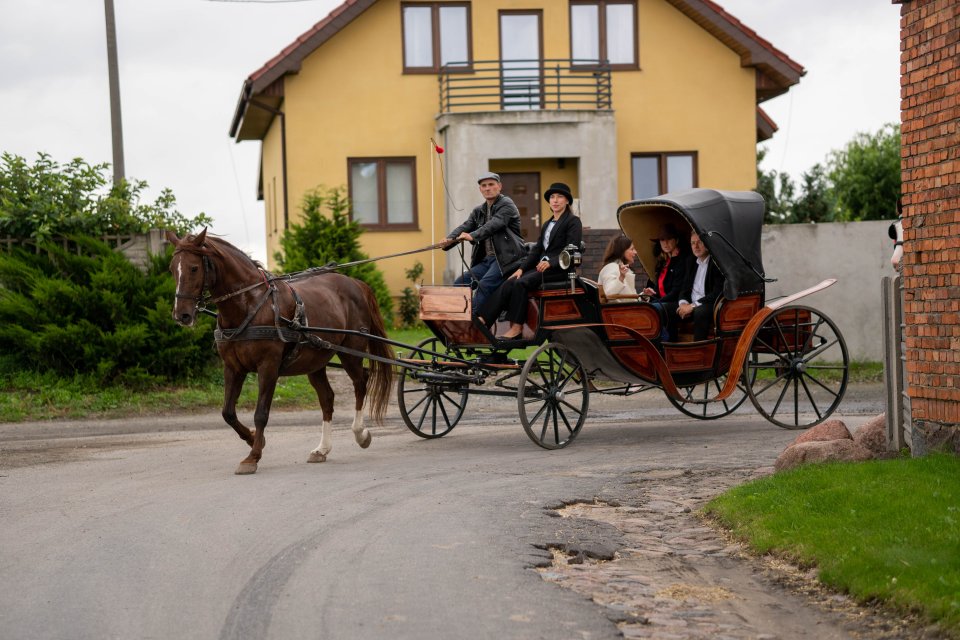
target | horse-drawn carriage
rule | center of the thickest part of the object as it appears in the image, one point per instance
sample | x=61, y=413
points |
x=790, y=360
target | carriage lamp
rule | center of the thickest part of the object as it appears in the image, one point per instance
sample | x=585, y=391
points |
x=570, y=257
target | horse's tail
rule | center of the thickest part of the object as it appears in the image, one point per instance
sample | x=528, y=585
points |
x=381, y=373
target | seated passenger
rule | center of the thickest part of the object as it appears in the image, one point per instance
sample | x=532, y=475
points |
x=674, y=260
x=494, y=229
x=701, y=289
x=617, y=276
x=541, y=265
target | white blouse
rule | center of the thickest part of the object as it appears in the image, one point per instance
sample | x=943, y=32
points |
x=609, y=279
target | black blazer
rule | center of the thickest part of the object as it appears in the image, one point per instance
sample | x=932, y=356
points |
x=567, y=230
x=713, y=286
x=677, y=272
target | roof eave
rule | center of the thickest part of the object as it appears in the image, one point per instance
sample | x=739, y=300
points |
x=780, y=71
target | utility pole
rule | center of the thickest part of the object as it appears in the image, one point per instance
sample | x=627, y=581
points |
x=116, y=124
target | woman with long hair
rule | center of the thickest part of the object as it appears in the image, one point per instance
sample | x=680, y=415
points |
x=673, y=261
x=617, y=276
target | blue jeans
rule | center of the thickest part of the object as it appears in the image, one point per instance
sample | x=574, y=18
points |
x=486, y=274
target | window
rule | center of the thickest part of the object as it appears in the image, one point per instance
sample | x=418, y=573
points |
x=436, y=34
x=604, y=30
x=383, y=192
x=658, y=173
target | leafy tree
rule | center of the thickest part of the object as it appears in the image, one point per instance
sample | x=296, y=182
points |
x=816, y=200
x=47, y=199
x=95, y=314
x=866, y=175
x=321, y=239
x=777, y=190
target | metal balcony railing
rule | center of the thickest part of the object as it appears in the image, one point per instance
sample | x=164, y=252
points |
x=514, y=85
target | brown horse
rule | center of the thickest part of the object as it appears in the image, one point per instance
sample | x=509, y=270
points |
x=258, y=331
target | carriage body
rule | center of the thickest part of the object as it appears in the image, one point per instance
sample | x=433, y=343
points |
x=769, y=352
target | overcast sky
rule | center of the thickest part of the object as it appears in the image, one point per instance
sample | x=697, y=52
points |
x=182, y=64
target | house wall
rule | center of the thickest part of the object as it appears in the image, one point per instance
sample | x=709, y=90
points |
x=930, y=164
x=351, y=99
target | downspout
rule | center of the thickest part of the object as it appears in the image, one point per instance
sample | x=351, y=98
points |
x=283, y=154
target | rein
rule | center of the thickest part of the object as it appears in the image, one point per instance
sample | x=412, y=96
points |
x=335, y=266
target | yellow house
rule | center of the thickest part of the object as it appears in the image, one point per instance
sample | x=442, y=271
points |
x=620, y=99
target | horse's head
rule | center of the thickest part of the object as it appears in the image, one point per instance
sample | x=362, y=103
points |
x=191, y=270
x=896, y=234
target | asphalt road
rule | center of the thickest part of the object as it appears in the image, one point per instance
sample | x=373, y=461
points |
x=140, y=529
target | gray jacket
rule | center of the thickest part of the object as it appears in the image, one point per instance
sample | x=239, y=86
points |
x=503, y=228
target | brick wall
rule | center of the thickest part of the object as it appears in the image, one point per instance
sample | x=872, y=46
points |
x=930, y=162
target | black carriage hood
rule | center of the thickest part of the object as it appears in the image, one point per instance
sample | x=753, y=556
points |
x=729, y=224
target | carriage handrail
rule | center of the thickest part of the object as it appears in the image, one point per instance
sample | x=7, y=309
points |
x=747, y=262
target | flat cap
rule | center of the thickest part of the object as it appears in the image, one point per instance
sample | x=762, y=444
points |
x=489, y=175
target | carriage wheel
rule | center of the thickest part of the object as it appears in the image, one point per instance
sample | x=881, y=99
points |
x=429, y=409
x=704, y=391
x=553, y=395
x=798, y=368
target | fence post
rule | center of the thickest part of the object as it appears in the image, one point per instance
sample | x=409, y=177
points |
x=892, y=361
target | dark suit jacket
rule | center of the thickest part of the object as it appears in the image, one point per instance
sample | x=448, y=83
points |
x=713, y=286
x=677, y=272
x=567, y=230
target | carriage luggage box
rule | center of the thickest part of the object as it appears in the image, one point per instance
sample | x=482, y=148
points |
x=445, y=303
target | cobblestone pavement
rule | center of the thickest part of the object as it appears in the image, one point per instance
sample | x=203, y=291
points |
x=678, y=577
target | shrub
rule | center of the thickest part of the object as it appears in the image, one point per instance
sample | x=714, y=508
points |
x=321, y=239
x=409, y=301
x=95, y=314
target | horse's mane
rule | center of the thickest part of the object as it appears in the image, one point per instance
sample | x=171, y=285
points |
x=216, y=246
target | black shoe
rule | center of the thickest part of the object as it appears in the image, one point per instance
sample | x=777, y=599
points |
x=494, y=357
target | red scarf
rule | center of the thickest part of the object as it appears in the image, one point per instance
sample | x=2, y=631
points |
x=663, y=275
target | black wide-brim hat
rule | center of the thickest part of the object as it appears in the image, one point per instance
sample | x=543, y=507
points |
x=558, y=187
x=667, y=232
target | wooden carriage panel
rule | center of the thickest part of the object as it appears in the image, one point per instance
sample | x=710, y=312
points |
x=694, y=357
x=445, y=303
x=728, y=346
x=795, y=327
x=733, y=315
x=642, y=318
x=560, y=310
x=637, y=360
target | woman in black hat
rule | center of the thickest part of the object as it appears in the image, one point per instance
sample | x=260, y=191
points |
x=541, y=265
x=673, y=261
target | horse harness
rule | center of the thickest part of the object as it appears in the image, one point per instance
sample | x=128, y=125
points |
x=295, y=332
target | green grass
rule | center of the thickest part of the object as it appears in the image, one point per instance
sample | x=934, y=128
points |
x=883, y=530
x=32, y=396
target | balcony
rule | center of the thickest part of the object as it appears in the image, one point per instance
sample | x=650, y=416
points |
x=525, y=85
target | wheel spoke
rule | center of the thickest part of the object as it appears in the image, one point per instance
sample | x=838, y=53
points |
x=813, y=402
x=565, y=421
x=780, y=377
x=783, y=393
x=443, y=410
x=821, y=385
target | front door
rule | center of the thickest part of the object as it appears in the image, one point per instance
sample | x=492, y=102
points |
x=521, y=59
x=524, y=190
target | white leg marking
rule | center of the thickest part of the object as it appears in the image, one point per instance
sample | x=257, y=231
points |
x=320, y=453
x=362, y=435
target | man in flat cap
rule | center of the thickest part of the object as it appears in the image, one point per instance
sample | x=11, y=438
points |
x=494, y=229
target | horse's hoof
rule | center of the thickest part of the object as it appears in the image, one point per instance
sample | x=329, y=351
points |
x=316, y=456
x=366, y=441
x=246, y=468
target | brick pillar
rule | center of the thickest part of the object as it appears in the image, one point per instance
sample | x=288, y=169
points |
x=930, y=165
